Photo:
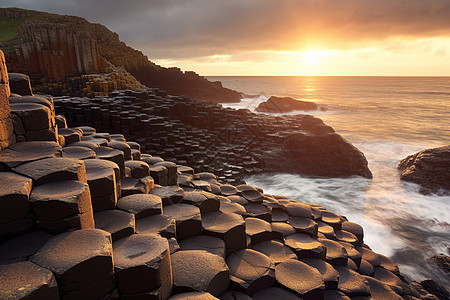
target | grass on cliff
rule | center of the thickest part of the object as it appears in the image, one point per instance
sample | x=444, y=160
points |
x=9, y=28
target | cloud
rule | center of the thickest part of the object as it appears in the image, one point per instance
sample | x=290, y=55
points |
x=178, y=29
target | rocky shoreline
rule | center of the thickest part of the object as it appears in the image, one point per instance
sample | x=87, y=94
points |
x=88, y=214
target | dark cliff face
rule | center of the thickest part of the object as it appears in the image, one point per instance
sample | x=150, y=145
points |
x=59, y=47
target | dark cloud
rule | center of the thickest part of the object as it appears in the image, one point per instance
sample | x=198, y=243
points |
x=193, y=28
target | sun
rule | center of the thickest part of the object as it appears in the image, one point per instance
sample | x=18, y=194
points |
x=313, y=57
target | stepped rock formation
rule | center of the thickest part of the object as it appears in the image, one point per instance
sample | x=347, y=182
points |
x=53, y=48
x=429, y=168
x=92, y=217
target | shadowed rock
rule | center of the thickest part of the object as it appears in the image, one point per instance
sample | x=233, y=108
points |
x=20, y=84
x=139, y=169
x=330, y=275
x=19, y=153
x=259, y=230
x=33, y=116
x=22, y=247
x=285, y=105
x=193, y=296
x=335, y=252
x=250, y=271
x=187, y=217
x=70, y=135
x=102, y=178
x=113, y=155
x=205, y=201
x=142, y=263
x=200, y=270
x=300, y=278
x=121, y=146
x=169, y=194
x=14, y=193
x=117, y=222
x=80, y=259
x=228, y=227
x=389, y=278
x=61, y=199
x=131, y=186
x=171, y=171
x=428, y=168
x=211, y=244
x=275, y=293
x=304, y=153
x=26, y=280
x=160, y=174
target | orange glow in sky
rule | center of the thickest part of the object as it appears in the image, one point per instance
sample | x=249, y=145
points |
x=396, y=57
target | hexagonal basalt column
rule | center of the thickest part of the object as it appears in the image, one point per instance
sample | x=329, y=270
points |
x=207, y=202
x=301, y=278
x=228, y=227
x=157, y=224
x=250, y=271
x=305, y=246
x=117, y=222
x=53, y=169
x=142, y=264
x=81, y=261
x=169, y=194
x=187, y=217
x=14, y=194
x=26, y=280
x=200, y=270
x=62, y=205
x=141, y=205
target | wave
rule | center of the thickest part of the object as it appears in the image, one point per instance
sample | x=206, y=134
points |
x=398, y=221
x=251, y=103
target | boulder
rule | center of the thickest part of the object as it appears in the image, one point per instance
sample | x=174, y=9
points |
x=285, y=104
x=428, y=168
x=326, y=155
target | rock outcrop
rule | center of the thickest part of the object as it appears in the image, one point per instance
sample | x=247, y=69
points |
x=6, y=125
x=285, y=105
x=56, y=243
x=246, y=143
x=429, y=168
x=56, y=50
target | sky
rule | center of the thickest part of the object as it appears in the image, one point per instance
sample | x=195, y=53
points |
x=277, y=37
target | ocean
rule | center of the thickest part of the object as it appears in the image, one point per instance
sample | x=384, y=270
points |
x=387, y=118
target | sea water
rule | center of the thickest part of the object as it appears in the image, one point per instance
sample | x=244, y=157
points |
x=387, y=118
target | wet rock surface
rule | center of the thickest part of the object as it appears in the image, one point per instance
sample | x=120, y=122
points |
x=428, y=168
x=284, y=105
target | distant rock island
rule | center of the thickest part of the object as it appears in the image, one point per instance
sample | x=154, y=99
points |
x=67, y=55
x=285, y=105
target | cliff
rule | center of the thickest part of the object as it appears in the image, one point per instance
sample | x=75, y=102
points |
x=61, y=47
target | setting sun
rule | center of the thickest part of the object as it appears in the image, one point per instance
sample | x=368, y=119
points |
x=313, y=57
